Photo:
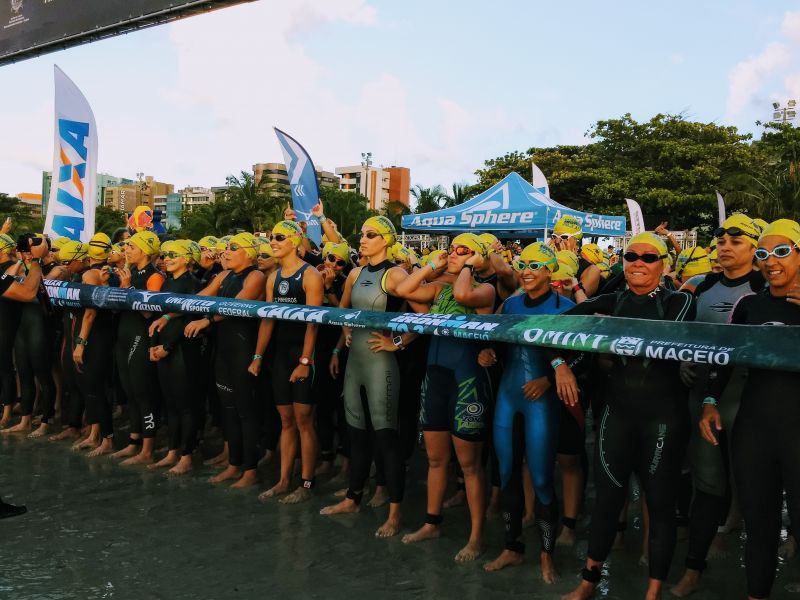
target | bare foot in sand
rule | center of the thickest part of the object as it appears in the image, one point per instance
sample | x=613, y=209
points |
x=688, y=584
x=85, y=444
x=182, y=467
x=24, y=426
x=70, y=433
x=169, y=460
x=390, y=528
x=276, y=490
x=127, y=451
x=346, y=506
x=507, y=558
x=426, y=532
x=457, y=499
x=584, y=591
x=469, y=552
x=105, y=447
x=248, y=479
x=39, y=432
x=549, y=573
x=139, y=459
x=229, y=472
x=566, y=537
x=301, y=494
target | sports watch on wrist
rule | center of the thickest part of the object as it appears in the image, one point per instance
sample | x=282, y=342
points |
x=305, y=361
x=398, y=342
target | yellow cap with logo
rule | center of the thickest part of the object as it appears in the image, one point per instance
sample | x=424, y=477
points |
x=537, y=252
x=383, y=226
x=592, y=253
x=749, y=230
x=341, y=250
x=73, y=250
x=99, y=246
x=146, y=241
x=290, y=229
x=568, y=225
x=471, y=241
x=488, y=240
x=246, y=241
x=785, y=228
x=691, y=262
x=209, y=242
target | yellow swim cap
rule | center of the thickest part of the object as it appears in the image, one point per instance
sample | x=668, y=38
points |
x=592, y=253
x=692, y=261
x=57, y=243
x=209, y=242
x=488, y=240
x=471, y=241
x=99, y=246
x=537, y=252
x=750, y=231
x=568, y=225
x=568, y=260
x=651, y=239
x=246, y=241
x=762, y=224
x=383, y=226
x=712, y=254
x=222, y=243
x=146, y=241
x=433, y=256
x=72, y=250
x=341, y=250
x=8, y=243
x=290, y=229
x=179, y=247
x=784, y=227
x=605, y=270
x=262, y=245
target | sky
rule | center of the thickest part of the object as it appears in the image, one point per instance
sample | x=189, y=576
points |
x=438, y=87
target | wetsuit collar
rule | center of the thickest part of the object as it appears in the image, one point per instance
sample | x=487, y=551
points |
x=727, y=282
x=532, y=302
x=380, y=266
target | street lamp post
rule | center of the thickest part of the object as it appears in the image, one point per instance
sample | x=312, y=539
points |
x=784, y=114
x=366, y=162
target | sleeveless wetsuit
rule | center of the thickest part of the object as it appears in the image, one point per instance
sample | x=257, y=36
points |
x=541, y=417
x=644, y=429
x=377, y=375
x=286, y=344
x=455, y=394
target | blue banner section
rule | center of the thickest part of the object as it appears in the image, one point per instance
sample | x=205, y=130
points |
x=303, y=183
x=705, y=343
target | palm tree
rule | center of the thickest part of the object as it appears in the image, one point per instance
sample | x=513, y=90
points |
x=248, y=207
x=459, y=195
x=428, y=199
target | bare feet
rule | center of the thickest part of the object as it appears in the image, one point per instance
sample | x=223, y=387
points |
x=566, y=537
x=24, y=426
x=69, y=433
x=457, y=499
x=229, y=472
x=248, y=479
x=276, y=490
x=182, y=467
x=507, y=558
x=379, y=498
x=39, y=432
x=584, y=591
x=129, y=450
x=85, y=444
x=139, y=459
x=469, y=552
x=346, y=506
x=219, y=459
x=389, y=529
x=549, y=574
x=426, y=532
x=169, y=460
x=688, y=584
x=300, y=494
x=340, y=493
x=105, y=447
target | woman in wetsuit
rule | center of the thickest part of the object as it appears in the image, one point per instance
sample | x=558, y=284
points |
x=291, y=359
x=455, y=393
x=137, y=373
x=175, y=356
x=644, y=428
x=235, y=339
x=526, y=389
x=373, y=287
x=92, y=351
x=765, y=445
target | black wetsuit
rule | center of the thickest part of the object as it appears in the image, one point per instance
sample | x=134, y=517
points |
x=326, y=389
x=10, y=314
x=765, y=443
x=236, y=338
x=94, y=377
x=286, y=343
x=177, y=368
x=137, y=372
x=644, y=429
x=72, y=403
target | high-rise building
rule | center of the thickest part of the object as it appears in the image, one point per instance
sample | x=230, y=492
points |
x=148, y=192
x=33, y=202
x=192, y=197
x=104, y=180
x=273, y=178
x=380, y=185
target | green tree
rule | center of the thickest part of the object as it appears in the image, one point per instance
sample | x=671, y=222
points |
x=394, y=211
x=460, y=193
x=23, y=220
x=107, y=220
x=348, y=210
x=248, y=207
x=428, y=199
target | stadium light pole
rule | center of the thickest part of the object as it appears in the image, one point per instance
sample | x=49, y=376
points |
x=366, y=162
x=784, y=114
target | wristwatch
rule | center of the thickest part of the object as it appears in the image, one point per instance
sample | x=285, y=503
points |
x=305, y=361
x=81, y=342
x=322, y=218
x=398, y=342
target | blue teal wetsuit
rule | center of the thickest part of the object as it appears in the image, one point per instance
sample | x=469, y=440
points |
x=538, y=435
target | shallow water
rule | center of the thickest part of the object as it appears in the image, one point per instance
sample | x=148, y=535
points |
x=98, y=530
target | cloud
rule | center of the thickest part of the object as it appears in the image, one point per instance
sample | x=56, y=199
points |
x=756, y=80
